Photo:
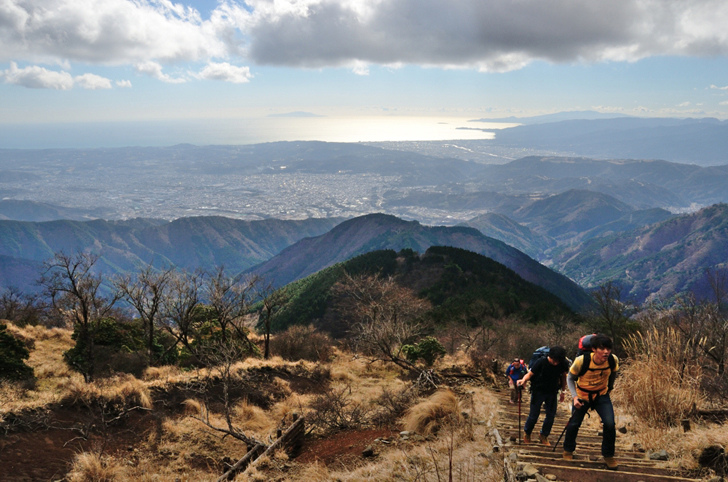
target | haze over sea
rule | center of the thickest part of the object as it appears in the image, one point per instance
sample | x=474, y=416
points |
x=243, y=131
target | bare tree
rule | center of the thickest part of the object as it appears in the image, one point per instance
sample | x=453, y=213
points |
x=717, y=321
x=146, y=292
x=75, y=291
x=611, y=315
x=385, y=316
x=272, y=300
x=182, y=307
x=230, y=300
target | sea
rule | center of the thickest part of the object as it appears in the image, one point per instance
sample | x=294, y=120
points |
x=241, y=131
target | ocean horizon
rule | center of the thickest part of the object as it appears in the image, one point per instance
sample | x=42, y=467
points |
x=242, y=131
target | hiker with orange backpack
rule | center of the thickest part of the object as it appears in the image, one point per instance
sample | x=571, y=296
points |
x=547, y=375
x=590, y=380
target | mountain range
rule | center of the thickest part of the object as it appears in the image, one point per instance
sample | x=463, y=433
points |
x=124, y=246
x=701, y=141
x=385, y=232
x=654, y=262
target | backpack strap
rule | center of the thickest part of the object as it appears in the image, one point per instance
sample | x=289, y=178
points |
x=612, y=374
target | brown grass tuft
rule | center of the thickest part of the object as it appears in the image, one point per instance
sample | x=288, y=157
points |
x=441, y=408
x=192, y=407
x=92, y=467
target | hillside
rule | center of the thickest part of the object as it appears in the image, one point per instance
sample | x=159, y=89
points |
x=126, y=245
x=459, y=284
x=634, y=181
x=568, y=214
x=379, y=231
x=512, y=233
x=654, y=261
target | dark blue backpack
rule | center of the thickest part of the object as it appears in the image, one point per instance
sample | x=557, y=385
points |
x=540, y=353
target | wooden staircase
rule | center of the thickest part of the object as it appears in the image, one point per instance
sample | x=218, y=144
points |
x=523, y=460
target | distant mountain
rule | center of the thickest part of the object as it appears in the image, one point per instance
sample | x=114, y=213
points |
x=568, y=214
x=23, y=210
x=654, y=261
x=649, y=183
x=125, y=246
x=510, y=232
x=460, y=285
x=700, y=141
x=556, y=117
x=379, y=231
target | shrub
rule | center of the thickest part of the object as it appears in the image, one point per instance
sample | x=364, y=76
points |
x=12, y=354
x=428, y=349
x=334, y=410
x=302, y=343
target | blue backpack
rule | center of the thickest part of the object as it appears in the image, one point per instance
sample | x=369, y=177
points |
x=540, y=353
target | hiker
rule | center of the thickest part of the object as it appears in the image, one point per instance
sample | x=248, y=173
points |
x=547, y=376
x=515, y=372
x=590, y=380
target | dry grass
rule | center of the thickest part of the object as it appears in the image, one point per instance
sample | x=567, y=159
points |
x=440, y=409
x=660, y=384
x=93, y=467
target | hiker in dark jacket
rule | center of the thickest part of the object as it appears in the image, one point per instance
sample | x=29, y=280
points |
x=515, y=372
x=547, y=377
x=590, y=380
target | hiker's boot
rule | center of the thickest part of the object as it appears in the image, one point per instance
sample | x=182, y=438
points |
x=568, y=455
x=611, y=463
x=526, y=438
x=544, y=440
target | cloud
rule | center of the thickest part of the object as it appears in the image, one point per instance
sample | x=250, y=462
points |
x=225, y=72
x=487, y=35
x=92, y=81
x=109, y=31
x=725, y=102
x=124, y=84
x=721, y=88
x=684, y=104
x=35, y=77
x=154, y=70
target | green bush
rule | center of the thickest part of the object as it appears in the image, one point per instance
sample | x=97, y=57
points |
x=12, y=354
x=428, y=350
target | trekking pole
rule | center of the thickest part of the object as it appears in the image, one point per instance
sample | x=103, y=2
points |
x=518, y=393
x=567, y=426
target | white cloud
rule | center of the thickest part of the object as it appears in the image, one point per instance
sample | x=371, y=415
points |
x=684, y=104
x=109, y=31
x=725, y=102
x=124, y=84
x=721, y=88
x=92, y=81
x=488, y=35
x=360, y=68
x=154, y=70
x=35, y=77
x=225, y=72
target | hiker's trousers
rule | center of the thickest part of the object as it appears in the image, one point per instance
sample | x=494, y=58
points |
x=603, y=406
x=548, y=400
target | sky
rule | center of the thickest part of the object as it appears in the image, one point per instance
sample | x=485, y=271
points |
x=99, y=62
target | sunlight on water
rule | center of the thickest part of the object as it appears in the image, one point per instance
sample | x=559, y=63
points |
x=371, y=129
x=244, y=131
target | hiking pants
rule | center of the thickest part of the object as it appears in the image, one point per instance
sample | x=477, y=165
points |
x=548, y=400
x=603, y=406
